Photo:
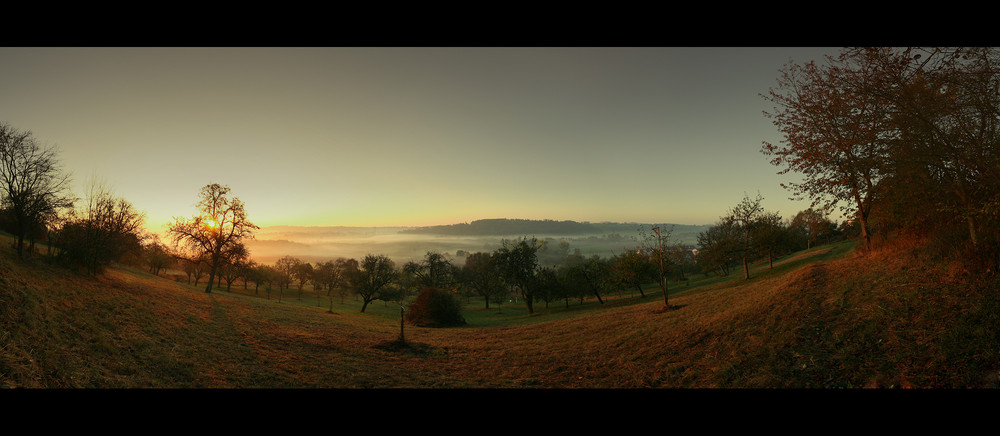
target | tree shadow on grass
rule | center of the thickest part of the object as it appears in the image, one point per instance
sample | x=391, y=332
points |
x=671, y=308
x=409, y=347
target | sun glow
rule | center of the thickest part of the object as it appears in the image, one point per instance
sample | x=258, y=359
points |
x=210, y=223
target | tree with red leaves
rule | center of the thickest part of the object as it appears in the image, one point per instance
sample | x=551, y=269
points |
x=837, y=129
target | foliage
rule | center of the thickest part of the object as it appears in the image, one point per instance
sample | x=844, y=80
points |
x=434, y=271
x=236, y=259
x=285, y=266
x=303, y=273
x=374, y=273
x=813, y=226
x=633, y=268
x=518, y=264
x=328, y=275
x=592, y=274
x=770, y=236
x=718, y=247
x=746, y=218
x=905, y=140
x=481, y=272
x=837, y=131
x=435, y=308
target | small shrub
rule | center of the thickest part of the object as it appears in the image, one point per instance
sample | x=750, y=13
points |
x=435, y=308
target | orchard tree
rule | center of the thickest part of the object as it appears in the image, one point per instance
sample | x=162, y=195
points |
x=237, y=257
x=434, y=271
x=264, y=274
x=33, y=188
x=745, y=217
x=105, y=229
x=303, y=273
x=632, y=268
x=328, y=275
x=655, y=245
x=194, y=265
x=812, y=224
x=837, y=129
x=374, y=274
x=718, y=247
x=947, y=163
x=518, y=262
x=220, y=226
x=592, y=274
x=481, y=272
x=157, y=256
x=348, y=268
x=770, y=235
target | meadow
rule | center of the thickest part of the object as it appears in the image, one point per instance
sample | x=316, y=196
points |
x=821, y=318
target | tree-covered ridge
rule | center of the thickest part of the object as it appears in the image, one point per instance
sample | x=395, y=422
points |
x=504, y=226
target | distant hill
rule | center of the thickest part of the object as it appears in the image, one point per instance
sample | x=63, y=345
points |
x=513, y=227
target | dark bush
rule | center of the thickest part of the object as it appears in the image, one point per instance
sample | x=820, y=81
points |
x=435, y=308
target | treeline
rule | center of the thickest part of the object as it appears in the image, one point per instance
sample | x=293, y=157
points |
x=748, y=233
x=528, y=269
x=903, y=140
x=534, y=271
x=37, y=205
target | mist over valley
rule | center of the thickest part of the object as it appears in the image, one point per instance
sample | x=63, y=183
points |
x=404, y=243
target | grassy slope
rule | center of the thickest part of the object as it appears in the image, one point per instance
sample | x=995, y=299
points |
x=824, y=318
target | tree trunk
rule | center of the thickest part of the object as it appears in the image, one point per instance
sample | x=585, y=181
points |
x=20, y=245
x=211, y=280
x=864, y=232
x=598, y=294
x=972, y=231
x=666, y=302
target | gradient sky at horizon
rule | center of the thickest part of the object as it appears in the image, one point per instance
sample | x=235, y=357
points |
x=380, y=136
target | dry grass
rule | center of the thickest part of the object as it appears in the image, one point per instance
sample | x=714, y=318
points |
x=834, y=322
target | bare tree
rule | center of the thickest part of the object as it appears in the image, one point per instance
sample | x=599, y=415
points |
x=655, y=246
x=221, y=225
x=106, y=228
x=157, y=256
x=746, y=217
x=32, y=184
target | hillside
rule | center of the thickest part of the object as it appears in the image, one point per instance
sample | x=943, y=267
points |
x=822, y=318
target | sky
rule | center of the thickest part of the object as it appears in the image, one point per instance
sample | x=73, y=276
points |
x=411, y=136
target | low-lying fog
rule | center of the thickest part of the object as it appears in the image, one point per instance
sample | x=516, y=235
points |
x=317, y=244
